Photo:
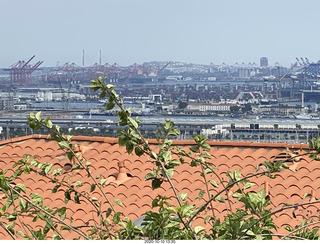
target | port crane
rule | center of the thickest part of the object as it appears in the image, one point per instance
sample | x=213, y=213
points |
x=165, y=66
x=21, y=71
x=281, y=78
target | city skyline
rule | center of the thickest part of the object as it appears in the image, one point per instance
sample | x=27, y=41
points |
x=127, y=32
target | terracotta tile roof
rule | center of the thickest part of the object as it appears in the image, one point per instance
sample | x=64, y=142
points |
x=136, y=194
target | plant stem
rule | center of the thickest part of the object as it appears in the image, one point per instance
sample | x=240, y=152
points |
x=299, y=228
x=6, y=229
x=278, y=211
x=46, y=212
x=207, y=188
x=223, y=190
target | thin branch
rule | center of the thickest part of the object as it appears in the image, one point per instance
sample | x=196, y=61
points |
x=6, y=229
x=30, y=231
x=52, y=216
x=207, y=188
x=281, y=235
x=300, y=228
x=70, y=188
x=224, y=186
x=54, y=228
x=278, y=211
x=223, y=190
x=94, y=180
x=14, y=205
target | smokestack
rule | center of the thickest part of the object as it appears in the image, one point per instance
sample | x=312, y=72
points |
x=82, y=57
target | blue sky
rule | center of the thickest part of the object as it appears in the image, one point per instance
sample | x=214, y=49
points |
x=135, y=31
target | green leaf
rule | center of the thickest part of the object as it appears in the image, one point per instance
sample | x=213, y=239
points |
x=55, y=236
x=64, y=145
x=48, y=168
x=67, y=196
x=198, y=229
x=78, y=184
x=174, y=132
x=37, y=199
x=76, y=166
x=103, y=181
x=129, y=147
x=153, y=155
x=206, y=155
x=23, y=204
x=57, y=172
x=305, y=195
x=103, y=93
x=110, y=105
x=108, y=212
x=194, y=148
x=183, y=196
x=213, y=183
x=62, y=212
x=116, y=218
x=93, y=187
x=70, y=155
x=117, y=201
x=122, y=140
x=194, y=163
x=20, y=233
x=155, y=203
x=21, y=187
x=237, y=175
x=250, y=233
x=76, y=198
x=237, y=195
x=156, y=183
x=248, y=185
x=38, y=116
x=138, y=151
x=149, y=176
x=200, y=195
x=55, y=188
x=48, y=122
x=12, y=217
x=220, y=199
x=63, y=227
x=133, y=122
x=169, y=172
x=186, y=209
x=26, y=169
x=110, y=86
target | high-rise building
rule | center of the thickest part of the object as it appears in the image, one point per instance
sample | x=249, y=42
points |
x=263, y=62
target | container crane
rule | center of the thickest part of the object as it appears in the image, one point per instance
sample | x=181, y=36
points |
x=298, y=61
x=160, y=70
x=21, y=71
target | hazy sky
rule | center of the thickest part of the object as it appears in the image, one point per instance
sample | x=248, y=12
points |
x=135, y=31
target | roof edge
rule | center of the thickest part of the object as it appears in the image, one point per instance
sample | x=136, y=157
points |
x=246, y=144
x=113, y=140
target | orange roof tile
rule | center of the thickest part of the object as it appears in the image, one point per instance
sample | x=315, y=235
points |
x=136, y=194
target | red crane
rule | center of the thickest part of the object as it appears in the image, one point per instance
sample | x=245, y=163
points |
x=165, y=66
x=20, y=72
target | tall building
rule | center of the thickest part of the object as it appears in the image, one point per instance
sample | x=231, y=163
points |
x=263, y=62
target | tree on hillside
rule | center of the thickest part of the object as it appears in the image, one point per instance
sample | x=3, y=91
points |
x=234, y=109
x=182, y=105
x=246, y=108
